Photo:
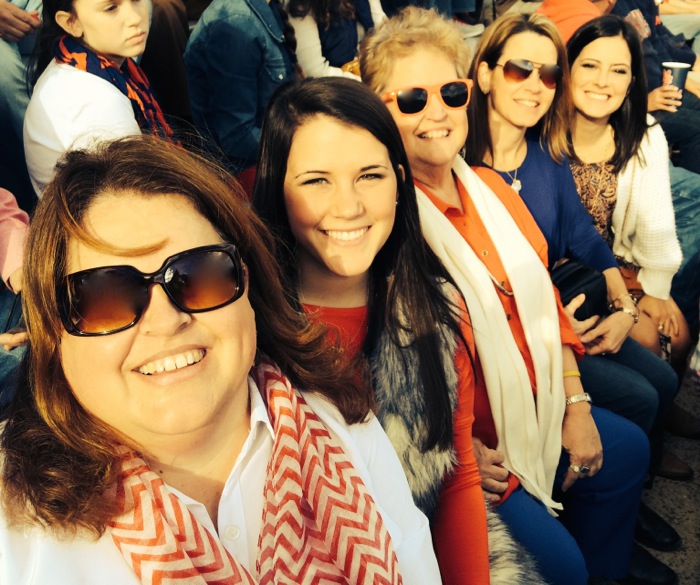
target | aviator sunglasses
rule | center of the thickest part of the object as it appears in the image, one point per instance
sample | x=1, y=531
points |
x=109, y=299
x=517, y=70
x=413, y=100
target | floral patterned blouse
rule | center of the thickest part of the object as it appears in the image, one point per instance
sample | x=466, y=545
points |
x=596, y=184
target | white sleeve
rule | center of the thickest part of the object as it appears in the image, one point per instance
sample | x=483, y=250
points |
x=71, y=109
x=377, y=463
x=378, y=15
x=309, y=52
x=646, y=226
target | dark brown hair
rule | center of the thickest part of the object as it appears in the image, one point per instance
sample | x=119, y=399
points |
x=629, y=122
x=60, y=459
x=406, y=294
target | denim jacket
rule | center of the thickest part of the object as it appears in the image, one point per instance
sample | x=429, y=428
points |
x=235, y=60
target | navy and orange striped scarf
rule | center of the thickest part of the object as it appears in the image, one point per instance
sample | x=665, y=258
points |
x=129, y=79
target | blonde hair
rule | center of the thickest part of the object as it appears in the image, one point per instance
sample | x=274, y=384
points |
x=558, y=119
x=402, y=34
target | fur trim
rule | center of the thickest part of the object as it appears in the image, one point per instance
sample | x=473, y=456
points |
x=510, y=562
x=400, y=407
x=399, y=395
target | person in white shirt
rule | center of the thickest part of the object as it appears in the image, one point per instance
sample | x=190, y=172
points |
x=88, y=86
x=158, y=434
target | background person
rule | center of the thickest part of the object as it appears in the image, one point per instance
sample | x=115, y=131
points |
x=19, y=21
x=88, y=87
x=328, y=33
x=237, y=55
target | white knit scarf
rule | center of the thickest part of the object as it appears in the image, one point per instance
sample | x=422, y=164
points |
x=529, y=435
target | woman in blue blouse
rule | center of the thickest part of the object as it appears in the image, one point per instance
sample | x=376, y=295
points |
x=520, y=113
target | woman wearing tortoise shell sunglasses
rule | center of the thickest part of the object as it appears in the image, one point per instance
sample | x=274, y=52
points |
x=147, y=443
x=534, y=432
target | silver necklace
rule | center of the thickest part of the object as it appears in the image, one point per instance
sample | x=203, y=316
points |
x=516, y=185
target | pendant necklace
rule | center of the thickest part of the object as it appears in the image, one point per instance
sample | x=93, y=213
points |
x=516, y=185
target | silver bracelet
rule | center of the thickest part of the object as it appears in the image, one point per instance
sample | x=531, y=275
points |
x=585, y=397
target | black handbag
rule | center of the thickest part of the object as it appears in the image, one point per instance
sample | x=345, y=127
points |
x=573, y=278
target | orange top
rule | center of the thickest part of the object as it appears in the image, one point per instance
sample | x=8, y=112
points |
x=568, y=15
x=459, y=527
x=471, y=227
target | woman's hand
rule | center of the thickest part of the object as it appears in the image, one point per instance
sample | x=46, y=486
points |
x=494, y=477
x=665, y=97
x=579, y=327
x=665, y=314
x=15, y=337
x=609, y=335
x=661, y=313
x=581, y=440
x=16, y=23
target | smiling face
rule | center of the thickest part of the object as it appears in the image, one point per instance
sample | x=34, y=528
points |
x=601, y=77
x=115, y=29
x=203, y=359
x=340, y=194
x=433, y=137
x=521, y=103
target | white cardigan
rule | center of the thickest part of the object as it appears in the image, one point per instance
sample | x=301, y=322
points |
x=643, y=221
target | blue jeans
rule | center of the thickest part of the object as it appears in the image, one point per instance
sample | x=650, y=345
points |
x=10, y=314
x=635, y=384
x=593, y=536
x=685, y=289
x=13, y=103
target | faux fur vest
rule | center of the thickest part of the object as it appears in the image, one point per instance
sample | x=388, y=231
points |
x=400, y=398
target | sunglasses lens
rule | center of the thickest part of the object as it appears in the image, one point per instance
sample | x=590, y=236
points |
x=455, y=94
x=103, y=300
x=203, y=281
x=550, y=75
x=517, y=70
x=411, y=101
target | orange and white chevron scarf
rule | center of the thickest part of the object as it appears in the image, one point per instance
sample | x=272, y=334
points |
x=320, y=523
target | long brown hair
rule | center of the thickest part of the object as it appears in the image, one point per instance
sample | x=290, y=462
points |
x=60, y=459
x=406, y=295
x=555, y=124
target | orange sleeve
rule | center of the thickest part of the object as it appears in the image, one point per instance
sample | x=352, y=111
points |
x=459, y=527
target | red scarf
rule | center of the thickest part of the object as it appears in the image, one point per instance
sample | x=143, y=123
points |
x=319, y=521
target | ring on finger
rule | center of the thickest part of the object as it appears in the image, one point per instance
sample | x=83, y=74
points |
x=584, y=470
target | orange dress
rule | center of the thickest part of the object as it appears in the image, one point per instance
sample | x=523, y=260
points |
x=463, y=501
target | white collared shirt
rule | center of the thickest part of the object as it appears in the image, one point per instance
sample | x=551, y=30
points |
x=34, y=556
